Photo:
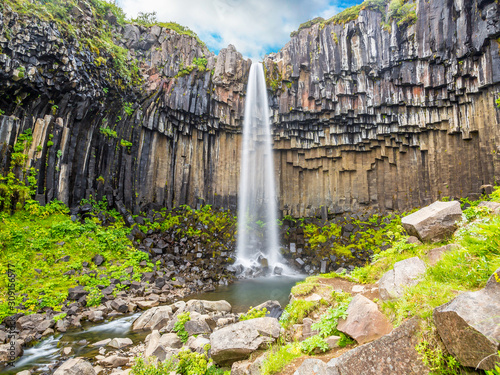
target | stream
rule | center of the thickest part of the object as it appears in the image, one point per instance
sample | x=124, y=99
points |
x=242, y=294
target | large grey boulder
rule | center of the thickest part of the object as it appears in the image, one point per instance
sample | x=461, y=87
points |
x=469, y=325
x=75, y=366
x=434, y=222
x=312, y=366
x=389, y=355
x=153, y=319
x=237, y=341
x=364, y=322
x=119, y=343
x=404, y=274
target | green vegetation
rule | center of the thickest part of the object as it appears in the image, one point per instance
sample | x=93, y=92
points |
x=313, y=344
x=253, y=313
x=20, y=182
x=402, y=11
x=199, y=64
x=149, y=19
x=277, y=357
x=46, y=250
x=296, y=311
x=303, y=288
x=179, y=326
x=184, y=363
x=108, y=132
x=127, y=107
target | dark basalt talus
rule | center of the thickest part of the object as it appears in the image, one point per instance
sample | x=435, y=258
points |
x=363, y=117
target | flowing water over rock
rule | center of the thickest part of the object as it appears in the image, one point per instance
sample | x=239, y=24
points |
x=257, y=242
x=47, y=352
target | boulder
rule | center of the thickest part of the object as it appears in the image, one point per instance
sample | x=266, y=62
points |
x=434, y=222
x=364, y=322
x=153, y=319
x=238, y=341
x=75, y=366
x=391, y=354
x=74, y=294
x=311, y=366
x=404, y=274
x=469, y=325
x=197, y=327
x=101, y=343
x=145, y=305
x=119, y=305
x=171, y=340
x=274, y=309
x=119, y=343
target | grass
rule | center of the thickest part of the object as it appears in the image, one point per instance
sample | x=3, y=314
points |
x=278, y=356
x=34, y=241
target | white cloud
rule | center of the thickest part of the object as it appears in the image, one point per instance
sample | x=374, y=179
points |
x=254, y=27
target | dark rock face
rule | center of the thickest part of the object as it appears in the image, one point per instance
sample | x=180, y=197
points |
x=362, y=116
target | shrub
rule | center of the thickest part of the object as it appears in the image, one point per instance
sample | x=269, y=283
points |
x=179, y=326
x=254, y=313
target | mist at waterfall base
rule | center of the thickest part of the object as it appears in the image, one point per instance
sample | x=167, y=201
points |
x=258, y=246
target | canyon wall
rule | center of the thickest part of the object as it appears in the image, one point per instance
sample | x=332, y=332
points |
x=363, y=117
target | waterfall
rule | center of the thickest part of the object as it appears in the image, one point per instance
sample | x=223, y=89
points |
x=257, y=239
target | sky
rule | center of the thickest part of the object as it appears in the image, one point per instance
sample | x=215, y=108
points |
x=254, y=27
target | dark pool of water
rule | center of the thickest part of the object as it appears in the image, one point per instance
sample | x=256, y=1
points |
x=241, y=295
x=251, y=292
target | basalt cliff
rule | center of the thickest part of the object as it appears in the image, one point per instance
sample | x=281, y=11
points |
x=365, y=116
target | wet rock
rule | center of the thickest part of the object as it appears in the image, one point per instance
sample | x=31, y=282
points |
x=364, y=322
x=75, y=366
x=67, y=351
x=119, y=343
x=469, y=325
x=312, y=366
x=391, y=354
x=238, y=341
x=101, y=343
x=434, y=222
x=153, y=319
x=405, y=273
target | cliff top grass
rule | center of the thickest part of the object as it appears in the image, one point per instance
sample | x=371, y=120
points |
x=402, y=11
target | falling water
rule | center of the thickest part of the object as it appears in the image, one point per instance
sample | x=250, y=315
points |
x=257, y=225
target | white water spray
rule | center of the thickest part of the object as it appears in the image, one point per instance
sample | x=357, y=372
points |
x=257, y=224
